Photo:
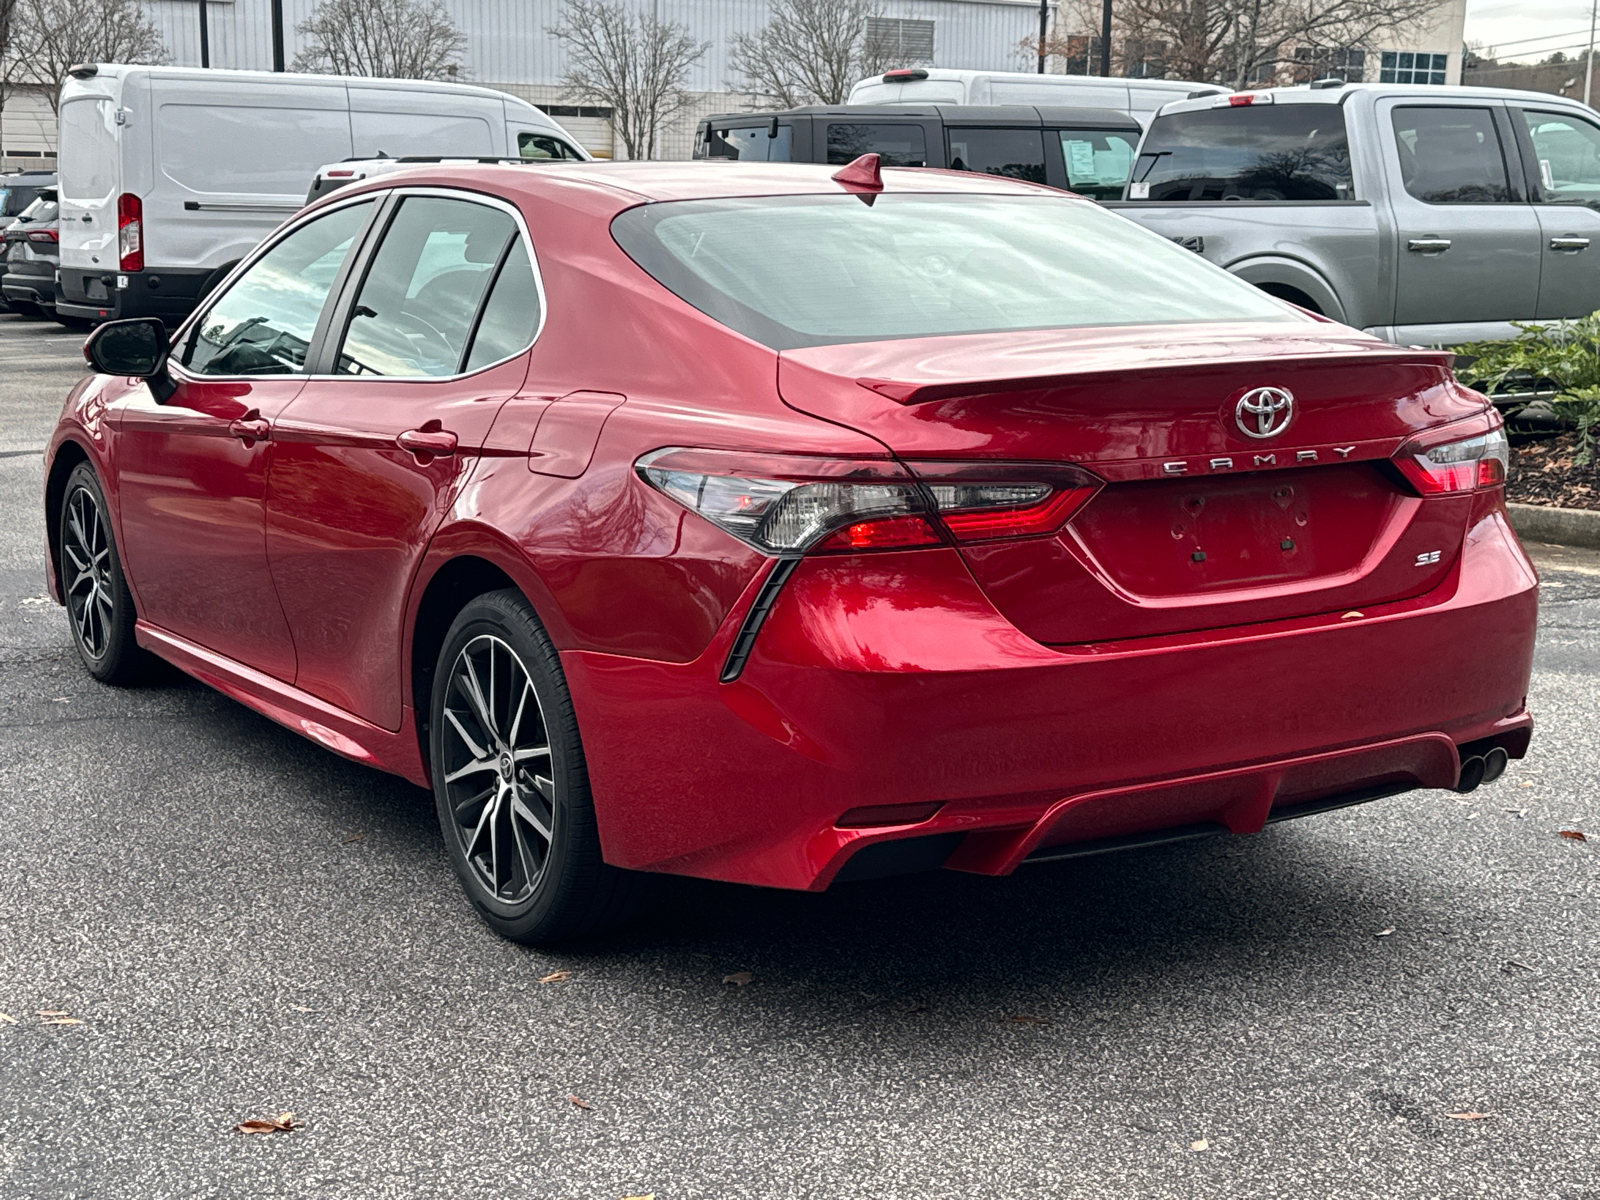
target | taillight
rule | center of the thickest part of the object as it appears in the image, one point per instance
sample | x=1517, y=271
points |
x=1459, y=465
x=788, y=504
x=42, y=235
x=979, y=501
x=130, y=232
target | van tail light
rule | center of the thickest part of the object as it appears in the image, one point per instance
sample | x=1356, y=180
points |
x=787, y=505
x=1441, y=463
x=42, y=235
x=130, y=232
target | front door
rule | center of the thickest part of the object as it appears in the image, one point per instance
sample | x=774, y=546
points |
x=1564, y=152
x=192, y=471
x=1468, y=248
x=370, y=456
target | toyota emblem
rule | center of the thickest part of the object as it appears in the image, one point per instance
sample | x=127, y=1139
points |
x=1264, y=412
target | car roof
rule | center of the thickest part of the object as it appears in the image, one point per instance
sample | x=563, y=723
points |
x=959, y=114
x=1339, y=94
x=971, y=73
x=629, y=183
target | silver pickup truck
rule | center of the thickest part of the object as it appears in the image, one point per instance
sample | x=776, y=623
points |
x=1431, y=215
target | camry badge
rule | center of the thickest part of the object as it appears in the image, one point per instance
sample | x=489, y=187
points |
x=1264, y=412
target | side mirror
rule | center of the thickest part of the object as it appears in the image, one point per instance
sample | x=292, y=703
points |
x=136, y=347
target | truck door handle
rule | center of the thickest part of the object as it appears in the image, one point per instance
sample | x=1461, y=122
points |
x=1428, y=245
x=1569, y=244
x=436, y=443
x=250, y=429
x=86, y=217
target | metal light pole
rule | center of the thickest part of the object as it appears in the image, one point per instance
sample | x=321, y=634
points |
x=205, y=37
x=1588, y=70
x=1105, y=39
x=1044, y=30
x=277, y=34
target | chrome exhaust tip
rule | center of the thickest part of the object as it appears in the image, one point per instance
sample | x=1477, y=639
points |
x=1494, y=765
x=1471, y=774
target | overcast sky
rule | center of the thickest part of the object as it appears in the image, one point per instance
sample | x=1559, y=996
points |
x=1529, y=29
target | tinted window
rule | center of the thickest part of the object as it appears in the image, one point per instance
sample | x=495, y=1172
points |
x=1098, y=163
x=897, y=145
x=1278, y=152
x=748, y=143
x=1567, y=150
x=15, y=201
x=262, y=325
x=1014, y=153
x=42, y=209
x=543, y=146
x=813, y=270
x=511, y=316
x=416, y=305
x=1451, y=155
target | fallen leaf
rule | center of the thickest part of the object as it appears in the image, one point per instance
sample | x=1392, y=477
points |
x=284, y=1122
x=1573, y=835
x=31, y=601
x=556, y=977
x=61, y=1021
x=8, y=1018
x=1384, y=932
x=1027, y=1020
x=583, y=1104
x=1522, y=966
x=301, y=1008
x=1525, y=783
x=49, y=1012
x=1469, y=1116
x=1202, y=1144
x=354, y=837
x=739, y=978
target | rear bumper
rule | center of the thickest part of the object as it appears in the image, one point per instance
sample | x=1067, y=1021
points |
x=99, y=295
x=30, y=287
x=892, y=680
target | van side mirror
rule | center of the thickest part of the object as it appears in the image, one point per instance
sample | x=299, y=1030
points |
x=136, y=347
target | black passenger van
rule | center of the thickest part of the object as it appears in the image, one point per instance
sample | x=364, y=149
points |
x=1085, y=150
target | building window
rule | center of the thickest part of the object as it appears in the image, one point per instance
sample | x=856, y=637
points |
x=1143, y=59
x=1328, y=62
x=900, y=41
x=1404, y=67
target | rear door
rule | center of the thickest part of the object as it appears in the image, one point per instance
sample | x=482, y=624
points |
x=1015, y=151
x=1562, y=153
x=1469, y=242
x=90, y=177
x=425, y=346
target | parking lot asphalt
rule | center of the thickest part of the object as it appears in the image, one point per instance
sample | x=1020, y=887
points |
x=243, y=924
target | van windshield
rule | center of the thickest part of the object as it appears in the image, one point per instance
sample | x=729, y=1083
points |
x=1267, y=152
x=790, y=271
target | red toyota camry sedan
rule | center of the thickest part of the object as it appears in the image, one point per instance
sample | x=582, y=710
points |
x=768, y=524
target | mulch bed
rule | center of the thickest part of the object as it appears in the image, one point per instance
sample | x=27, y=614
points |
x=1543, y=473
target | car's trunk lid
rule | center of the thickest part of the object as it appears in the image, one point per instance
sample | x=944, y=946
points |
x=1199, y=525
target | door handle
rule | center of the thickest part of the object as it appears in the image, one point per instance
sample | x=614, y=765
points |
x=250, y=429
x=1428, y=245
x=437, y=443
x=1569, y=244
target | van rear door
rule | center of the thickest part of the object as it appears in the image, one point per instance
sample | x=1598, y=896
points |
x=90, y=178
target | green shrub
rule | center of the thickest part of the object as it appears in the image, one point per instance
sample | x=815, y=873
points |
x=1564, y=355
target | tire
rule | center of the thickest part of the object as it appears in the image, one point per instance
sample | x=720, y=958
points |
x=99, y=606
x=511, y=785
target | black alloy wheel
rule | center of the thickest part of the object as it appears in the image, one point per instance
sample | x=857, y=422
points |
x=99, y=605
x=510, y=782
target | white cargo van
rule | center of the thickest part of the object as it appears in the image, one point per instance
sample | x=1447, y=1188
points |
x=170, y=175
x=1139, y=98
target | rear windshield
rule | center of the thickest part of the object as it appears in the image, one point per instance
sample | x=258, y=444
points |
x=795, y=271
x=1274, y=152
x=747, y=143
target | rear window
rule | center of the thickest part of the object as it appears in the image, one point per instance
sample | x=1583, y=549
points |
x=898, y=145
x=88, y=150
x=747, y=143
x=1274, y=152
x=817, y=270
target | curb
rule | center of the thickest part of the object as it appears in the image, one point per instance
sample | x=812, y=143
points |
x=1557, y=526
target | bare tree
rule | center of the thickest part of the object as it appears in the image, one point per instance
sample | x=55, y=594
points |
x=388, y=39
x=810, y=52
x=632, y=64
x=48, y=36
x=1242, y=43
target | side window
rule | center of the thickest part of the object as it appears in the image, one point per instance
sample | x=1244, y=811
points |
x=262, y=325
x=748, y=143
x=511, y=315
x=413, y=315
x=1568, y=152
x=1098, y=163
x=1014, y=153
x=897, y=145
x=1451, y=156
x=544, y=146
